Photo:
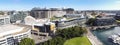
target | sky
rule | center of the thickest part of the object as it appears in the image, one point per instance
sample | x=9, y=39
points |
x=76, y=4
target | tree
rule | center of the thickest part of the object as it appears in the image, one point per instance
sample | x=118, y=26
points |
x=55, y=41
x=27, y=41
x=90, y=21
x=71, y=32
x=93, y=13
x=65, y=34
x=45, y=43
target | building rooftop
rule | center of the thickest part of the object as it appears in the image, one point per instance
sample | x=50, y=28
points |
x=4, y=16
x=105, y=18
x=10, y=29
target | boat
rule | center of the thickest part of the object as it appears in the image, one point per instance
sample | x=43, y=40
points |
x=115, y=39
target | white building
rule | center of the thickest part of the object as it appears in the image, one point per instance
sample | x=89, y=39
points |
x=29, y=20
x=4, y=19
x=12, y=34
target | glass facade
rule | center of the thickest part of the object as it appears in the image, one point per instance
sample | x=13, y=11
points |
x=103, y=22
x=1, y=21
x=4, y=20
x=14, y=39
x=10, y=41
x=2, y=42
x=18, y=16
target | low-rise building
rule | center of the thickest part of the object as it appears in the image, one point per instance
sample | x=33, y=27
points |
x=117, y=16
x=40, y=25
x=12, y=34
x=74, y=16
x=104, y=21
x=70, y=23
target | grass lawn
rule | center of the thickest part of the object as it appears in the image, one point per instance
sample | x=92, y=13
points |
x=78, y=41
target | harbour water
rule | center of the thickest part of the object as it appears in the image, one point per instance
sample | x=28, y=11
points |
x=103, y=34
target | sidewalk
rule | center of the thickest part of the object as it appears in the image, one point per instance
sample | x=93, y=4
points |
x=93, y=39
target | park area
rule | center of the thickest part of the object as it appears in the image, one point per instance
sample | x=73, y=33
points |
x=78, y=41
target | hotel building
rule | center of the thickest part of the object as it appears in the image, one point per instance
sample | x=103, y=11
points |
x=40, y=13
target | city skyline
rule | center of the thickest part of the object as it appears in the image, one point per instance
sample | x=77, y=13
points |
x=76, y=4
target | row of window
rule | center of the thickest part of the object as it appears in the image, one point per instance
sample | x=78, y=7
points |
x=72, y=22
x=12, y=40
x=102, y=22
x=2, y=42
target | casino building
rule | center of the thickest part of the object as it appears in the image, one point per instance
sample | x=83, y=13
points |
x=12, y=34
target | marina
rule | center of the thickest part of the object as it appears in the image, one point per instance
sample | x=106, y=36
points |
x=104, y=35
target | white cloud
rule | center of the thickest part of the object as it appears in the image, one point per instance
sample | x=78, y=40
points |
x=117, y=1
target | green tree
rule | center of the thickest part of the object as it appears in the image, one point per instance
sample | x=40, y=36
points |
x=27, y=41
x=55, y=41
x=65, y=34
x=71, y=32
x=45, y=43
x=93, y=13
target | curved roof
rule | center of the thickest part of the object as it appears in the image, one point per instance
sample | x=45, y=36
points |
x=29, y=20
